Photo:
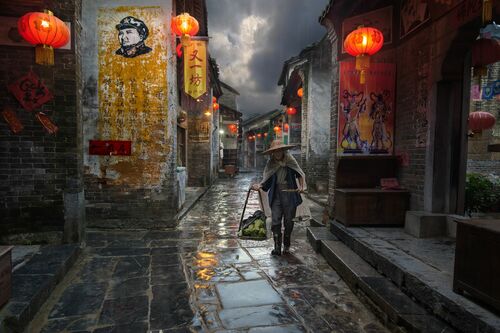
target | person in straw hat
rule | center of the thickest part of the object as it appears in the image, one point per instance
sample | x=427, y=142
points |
x=283, y=180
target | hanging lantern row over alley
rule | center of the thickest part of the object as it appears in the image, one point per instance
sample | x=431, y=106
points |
x=363, y=43
x=185, y=26
x=46, y=32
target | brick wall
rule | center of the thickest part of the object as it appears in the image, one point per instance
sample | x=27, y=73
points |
x=332, y=162
x=479, y=159
x=36, y=168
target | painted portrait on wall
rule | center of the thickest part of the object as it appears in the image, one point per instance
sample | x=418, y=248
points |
x=132, y=34
x=133, y=89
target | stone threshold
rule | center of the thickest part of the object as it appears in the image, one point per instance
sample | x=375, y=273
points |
x=423, y=282
x=397, y=311
x=33, y=282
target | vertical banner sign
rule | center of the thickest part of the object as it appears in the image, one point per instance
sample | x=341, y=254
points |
x=195, y=68
x=366, y=112
x=133, y=91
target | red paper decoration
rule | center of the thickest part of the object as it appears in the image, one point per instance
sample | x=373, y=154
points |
x=11, y=119
x=49, y=126
x=30, y=92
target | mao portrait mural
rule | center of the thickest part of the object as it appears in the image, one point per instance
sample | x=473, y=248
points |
x=132, y=34
x=132, y=86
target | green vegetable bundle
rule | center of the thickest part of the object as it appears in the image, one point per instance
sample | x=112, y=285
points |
x=256, y=229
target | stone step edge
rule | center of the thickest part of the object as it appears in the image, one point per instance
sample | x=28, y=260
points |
x=434, y=301
x=17, y=323
x=359, y=275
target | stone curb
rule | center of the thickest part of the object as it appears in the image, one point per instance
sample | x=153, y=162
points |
x=33, y=283
x=190, y=205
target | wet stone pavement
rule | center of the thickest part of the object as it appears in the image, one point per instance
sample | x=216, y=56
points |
x=200, y=277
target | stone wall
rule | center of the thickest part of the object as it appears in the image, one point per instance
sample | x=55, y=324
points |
x=130, y=99
x=41, y=176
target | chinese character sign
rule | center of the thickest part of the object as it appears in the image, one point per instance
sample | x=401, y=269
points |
x=366, y=112
x=30, y=92
x=195, y=68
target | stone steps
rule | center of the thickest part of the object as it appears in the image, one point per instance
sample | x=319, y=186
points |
x=395, y=309
x=429, y=286
x=33, y=282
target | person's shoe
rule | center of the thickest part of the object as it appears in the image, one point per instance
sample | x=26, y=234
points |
x=286, y=250
x=277, y=245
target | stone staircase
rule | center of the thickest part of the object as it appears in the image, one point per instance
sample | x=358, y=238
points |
x=406, y=293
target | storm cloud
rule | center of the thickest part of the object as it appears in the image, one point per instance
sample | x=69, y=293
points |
x=250, y=39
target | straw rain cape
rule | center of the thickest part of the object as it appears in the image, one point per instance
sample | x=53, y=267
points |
x=271, y=167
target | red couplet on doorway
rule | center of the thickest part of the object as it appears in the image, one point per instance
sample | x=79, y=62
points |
x=110, y=147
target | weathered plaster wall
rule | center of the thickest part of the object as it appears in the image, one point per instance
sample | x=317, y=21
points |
x=41, y=187
x=130, y=99
x=318, y=124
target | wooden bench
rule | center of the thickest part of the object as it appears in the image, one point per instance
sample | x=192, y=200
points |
x=359, y=200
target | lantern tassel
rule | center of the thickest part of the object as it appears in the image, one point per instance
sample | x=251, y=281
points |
x=44, y=55
x=362, y=64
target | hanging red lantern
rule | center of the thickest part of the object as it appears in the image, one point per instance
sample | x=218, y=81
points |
x=259, y=135
x=300, y=92
x=277, y=128
x=286, y=127
x=185, y=26
x=484, y=52
x=363, y=43
x=216, y=106
x=480, y=121
x=291, y=110
x=214, y=99
x=265, y=134
x=46, y=32
x=233, y=128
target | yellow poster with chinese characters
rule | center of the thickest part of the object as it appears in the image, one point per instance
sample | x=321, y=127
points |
x=133, y=90
x=195, y=68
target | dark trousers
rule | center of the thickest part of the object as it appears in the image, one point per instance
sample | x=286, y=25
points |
x=282, y=209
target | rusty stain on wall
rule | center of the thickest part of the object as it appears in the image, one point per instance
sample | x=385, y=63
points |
x=133, y=94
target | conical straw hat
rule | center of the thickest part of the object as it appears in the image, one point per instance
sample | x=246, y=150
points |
x=277, y=145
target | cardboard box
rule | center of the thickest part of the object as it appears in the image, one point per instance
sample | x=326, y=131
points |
x=5, y=274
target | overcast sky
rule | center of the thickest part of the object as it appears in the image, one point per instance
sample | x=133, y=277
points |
x=250, y=39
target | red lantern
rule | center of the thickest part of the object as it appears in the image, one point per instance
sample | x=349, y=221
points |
x=291, y=110
x=259, y=135
x=265, y=134
x=286, y=127
x=362, y=43
x=216, y=106
x=300, y=92
x=214, y=99
x=233, y=128
x=46, y=32
x=185, y=26
x=480, y=121
x=277, y=129
x=484, y=52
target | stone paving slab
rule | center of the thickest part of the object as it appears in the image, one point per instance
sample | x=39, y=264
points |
x=251, y=293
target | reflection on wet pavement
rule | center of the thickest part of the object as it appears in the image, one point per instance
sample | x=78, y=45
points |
x=200, y=277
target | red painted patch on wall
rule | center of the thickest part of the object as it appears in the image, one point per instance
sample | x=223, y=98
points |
x=110, y=147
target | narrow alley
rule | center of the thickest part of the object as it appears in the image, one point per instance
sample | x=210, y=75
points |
x=200, y=276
